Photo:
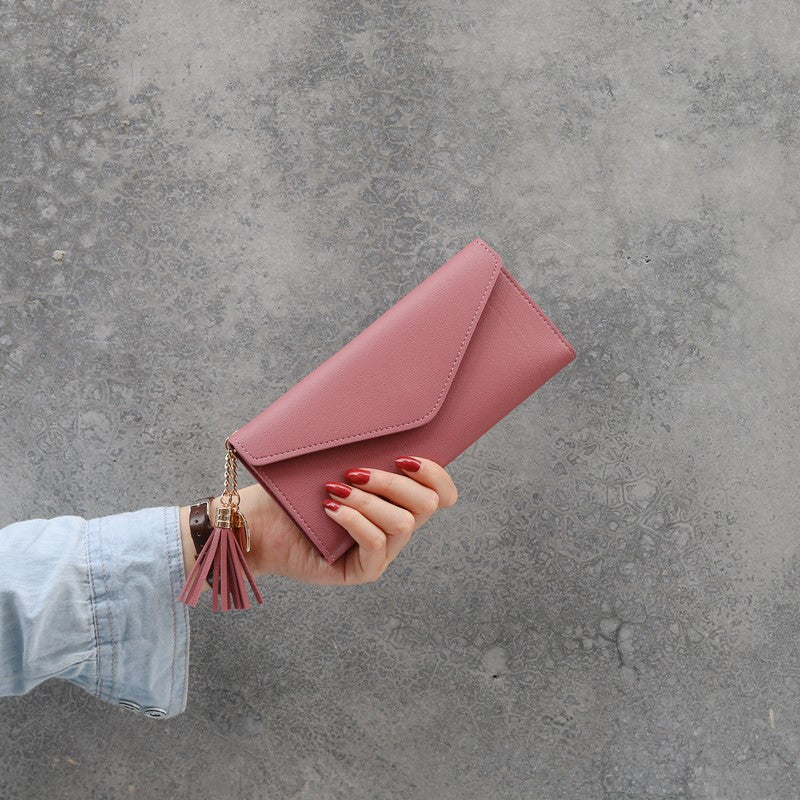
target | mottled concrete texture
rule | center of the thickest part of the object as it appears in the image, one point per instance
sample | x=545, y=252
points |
x=611, y=609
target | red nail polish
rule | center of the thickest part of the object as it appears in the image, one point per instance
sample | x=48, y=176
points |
x=332, y=505
x=357, y=476
x=339, y=489
x=407, y=463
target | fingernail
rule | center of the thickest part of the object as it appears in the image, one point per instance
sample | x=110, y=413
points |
x=339, y=489
x=332, y=505
x=357, y=476
x=408, y=463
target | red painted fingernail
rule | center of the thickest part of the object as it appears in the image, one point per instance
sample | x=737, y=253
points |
x=339, y=489
x=357, y=476
x=408, y=463
x=332, y=505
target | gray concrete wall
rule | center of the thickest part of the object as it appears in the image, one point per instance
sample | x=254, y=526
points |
x=610, y=610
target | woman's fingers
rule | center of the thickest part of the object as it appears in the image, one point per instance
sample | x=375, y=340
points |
x=421, y=491
x=368, y=561
x=393, y=519
x=384, y=508
x=432, y=475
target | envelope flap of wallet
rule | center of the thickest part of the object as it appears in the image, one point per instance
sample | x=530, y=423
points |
x=393, y=376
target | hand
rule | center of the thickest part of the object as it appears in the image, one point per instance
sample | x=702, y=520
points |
x=380, y=515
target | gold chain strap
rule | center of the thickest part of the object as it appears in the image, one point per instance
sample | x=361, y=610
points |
x=228, y=514
x=230, y=494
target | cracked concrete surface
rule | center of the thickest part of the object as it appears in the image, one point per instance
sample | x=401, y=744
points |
x=610, y=610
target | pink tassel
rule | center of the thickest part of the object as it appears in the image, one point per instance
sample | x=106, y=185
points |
x=222, y=553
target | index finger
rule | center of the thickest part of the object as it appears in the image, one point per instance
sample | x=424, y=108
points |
x=432, y=475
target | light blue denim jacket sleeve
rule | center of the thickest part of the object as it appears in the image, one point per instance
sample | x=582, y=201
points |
x=95, y=602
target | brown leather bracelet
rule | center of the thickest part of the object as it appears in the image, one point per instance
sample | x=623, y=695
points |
x=200, y=527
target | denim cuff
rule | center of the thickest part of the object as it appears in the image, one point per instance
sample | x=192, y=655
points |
x=136, y=571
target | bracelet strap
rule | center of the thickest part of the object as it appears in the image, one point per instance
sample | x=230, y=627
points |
x=200, y=526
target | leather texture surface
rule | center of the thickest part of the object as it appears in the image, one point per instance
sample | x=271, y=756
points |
x=428, y=377
x=200, y=527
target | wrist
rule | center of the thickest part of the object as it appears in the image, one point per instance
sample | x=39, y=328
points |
x=189, y=552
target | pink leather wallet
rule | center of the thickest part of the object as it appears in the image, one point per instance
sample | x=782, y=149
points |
x=428, y=377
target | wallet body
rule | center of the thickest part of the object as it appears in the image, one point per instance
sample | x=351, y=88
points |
x=428, y=377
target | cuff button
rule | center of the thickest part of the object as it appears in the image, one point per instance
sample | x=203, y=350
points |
x=155, y=712
x=130, y=705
